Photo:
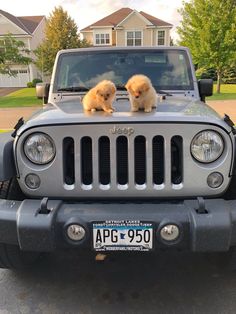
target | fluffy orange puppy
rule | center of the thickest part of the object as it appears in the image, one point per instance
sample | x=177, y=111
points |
x=142, y=94
x=100, y=97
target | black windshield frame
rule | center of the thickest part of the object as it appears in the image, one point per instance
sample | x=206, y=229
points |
x=106, y=54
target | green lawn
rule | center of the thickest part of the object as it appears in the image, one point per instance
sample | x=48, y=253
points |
x=227, y=91
x=25, y=97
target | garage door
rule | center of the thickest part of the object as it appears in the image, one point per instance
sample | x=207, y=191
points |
x=20, y=80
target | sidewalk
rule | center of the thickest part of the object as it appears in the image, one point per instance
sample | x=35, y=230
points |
x=10, y=116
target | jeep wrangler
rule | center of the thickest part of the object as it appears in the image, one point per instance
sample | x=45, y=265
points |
x=126, y=181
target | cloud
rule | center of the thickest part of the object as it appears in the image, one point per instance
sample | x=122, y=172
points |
x=86, y=12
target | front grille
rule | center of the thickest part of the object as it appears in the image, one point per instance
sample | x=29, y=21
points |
x=136, y=160
x=107, y=158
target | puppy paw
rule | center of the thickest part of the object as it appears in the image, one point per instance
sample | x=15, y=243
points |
x=134, y=109
x=109, y=110
x=148, y=109
x=93, y=109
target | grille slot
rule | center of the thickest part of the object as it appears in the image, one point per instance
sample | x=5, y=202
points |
x=176, y=159
x=158, y=159
x=69, y=160
x=104, y=160
x=122, y=160
x=86, y=160
x=140, y=160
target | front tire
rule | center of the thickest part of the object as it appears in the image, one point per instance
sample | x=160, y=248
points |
x=10, y=255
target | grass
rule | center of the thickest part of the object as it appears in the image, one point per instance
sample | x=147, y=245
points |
x=25, y=97
x=227, y=91
x=5, y=130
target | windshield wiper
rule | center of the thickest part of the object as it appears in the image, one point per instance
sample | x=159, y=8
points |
x=120, y=87
x=163, y=92
x=73, y=89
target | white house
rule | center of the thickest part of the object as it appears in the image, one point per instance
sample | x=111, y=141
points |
x=30, y=30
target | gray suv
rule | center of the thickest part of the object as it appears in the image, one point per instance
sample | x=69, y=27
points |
x=126, y=181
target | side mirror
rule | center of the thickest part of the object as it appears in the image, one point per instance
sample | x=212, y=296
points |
x=42, y=91
x=205, y=87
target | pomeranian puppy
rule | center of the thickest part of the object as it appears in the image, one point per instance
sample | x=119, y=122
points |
x=100, y=97
x=142, y=94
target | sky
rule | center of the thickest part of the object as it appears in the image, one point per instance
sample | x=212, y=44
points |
x=86, y=12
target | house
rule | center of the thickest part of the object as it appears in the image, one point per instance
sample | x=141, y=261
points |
x=127, y=27
x=30, y=30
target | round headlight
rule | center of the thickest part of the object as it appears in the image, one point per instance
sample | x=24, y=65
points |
x=207, y=146
x=39, y=148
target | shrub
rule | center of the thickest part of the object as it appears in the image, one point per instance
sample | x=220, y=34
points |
x=30, y=85
x=34, y=82
x=229, y=76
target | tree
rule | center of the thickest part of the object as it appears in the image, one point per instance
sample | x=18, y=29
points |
x=208, y=29
x=12, y=52
x=61, y=32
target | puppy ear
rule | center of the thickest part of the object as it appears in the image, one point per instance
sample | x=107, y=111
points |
x=97, y=91
x=128, y=85
x=113, y=89
x=146, y=86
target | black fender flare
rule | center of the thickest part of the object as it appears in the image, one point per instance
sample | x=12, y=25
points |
x=7, y=163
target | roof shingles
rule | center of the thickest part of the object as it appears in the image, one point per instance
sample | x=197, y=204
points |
x=118, y=16
x=26, y=23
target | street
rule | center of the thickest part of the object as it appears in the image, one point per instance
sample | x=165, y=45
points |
x=165, y=283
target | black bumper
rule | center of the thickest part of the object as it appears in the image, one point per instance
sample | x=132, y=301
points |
x=24, y=224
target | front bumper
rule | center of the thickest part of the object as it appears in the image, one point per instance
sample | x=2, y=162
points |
x=34, y=228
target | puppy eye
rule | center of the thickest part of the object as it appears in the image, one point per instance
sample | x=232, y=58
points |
x=140, y=92
x=108, y=95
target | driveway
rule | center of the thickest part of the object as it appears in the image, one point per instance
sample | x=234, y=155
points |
x=7, y=90
x=224, y=106
x=173, y=283
x=10, y=116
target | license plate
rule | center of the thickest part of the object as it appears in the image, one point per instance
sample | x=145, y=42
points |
x=122, y=235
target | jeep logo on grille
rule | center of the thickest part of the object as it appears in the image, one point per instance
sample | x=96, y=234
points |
x=119, y=130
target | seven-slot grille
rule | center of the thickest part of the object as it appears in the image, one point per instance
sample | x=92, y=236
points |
x=135, y=160
x=124, y=162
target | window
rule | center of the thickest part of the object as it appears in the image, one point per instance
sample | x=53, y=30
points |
x=23, y=71
x=168, y=69
x=160, y=38
x=134, y=38
x=102, y=39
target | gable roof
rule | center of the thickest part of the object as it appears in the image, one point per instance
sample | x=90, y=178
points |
x=118, y=16
x=31, y=22
x=27, y=23
x=154, y=20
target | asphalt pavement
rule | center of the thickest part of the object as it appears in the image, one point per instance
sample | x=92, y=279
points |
x=74, y=282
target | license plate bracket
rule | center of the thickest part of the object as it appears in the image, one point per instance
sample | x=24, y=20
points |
x=122, y=235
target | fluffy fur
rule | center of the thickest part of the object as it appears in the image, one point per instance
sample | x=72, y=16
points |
x=141, y=93
x=100, y=97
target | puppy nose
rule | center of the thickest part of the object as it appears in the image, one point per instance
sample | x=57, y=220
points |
x=137, y=96
x=106, y=98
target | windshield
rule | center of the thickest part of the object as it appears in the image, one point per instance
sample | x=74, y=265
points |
x=167, y=69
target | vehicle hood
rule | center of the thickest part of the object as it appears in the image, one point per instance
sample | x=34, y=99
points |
x=170, y=110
